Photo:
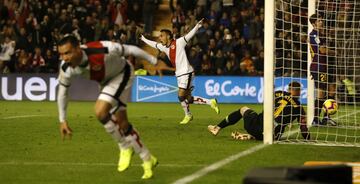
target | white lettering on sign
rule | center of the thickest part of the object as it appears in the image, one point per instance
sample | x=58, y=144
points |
x=35, y=84
x=34, y=88
x=154, y=88
x=226, y=88
x=5, y=91
x=52, y=90
x=212, y=88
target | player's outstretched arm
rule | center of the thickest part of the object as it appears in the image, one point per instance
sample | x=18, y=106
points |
x=139, y=53
x=149, y=42
x=193, y=31
x=62, y=102
x=153, y=44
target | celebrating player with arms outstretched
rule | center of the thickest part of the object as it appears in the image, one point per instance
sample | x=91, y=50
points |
x=175, y=50
x=287, y=109
x=104, y=62
x=322, y=70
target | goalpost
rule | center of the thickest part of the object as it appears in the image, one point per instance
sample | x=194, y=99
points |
x=288, y=58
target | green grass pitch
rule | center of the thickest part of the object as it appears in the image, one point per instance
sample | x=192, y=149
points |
x=31, y=150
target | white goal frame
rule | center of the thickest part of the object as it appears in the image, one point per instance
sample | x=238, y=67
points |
x=269, y=52
x=342, y=31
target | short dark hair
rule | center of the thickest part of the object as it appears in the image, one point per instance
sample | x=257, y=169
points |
x=69, y=39
x=294, y=85
x=313, y=18
x=168, y=32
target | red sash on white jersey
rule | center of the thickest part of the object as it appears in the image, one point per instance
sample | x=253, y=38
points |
x=97, y=62
x=172, y=53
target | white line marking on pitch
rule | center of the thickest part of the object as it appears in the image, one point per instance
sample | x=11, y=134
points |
x=232, y=158
x=204, y=171
x=87, y=164
x=23, y=116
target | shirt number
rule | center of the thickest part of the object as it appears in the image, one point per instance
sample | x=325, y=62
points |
x=280, y=108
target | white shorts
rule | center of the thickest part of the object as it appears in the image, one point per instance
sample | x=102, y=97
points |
x=186, y=81
x=118, y=90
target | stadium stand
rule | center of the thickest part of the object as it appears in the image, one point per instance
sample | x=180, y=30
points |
x=229, y=43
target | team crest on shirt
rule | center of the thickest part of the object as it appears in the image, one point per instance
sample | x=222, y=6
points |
x=172, y=47
x=96, y=67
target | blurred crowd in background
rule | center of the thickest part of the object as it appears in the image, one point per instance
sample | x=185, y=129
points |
x=230, y=42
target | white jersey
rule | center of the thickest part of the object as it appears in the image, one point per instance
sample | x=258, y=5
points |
x=102, y=61
x=176, y=52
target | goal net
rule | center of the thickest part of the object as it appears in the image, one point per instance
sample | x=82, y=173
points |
x=338, y=45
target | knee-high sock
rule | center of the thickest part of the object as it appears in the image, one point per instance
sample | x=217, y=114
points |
x=200, y=100
x=113, y=129
x=231, y=119
x=186, y=107
x=133, y=137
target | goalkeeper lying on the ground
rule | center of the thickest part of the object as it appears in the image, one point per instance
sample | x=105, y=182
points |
x=287, y=109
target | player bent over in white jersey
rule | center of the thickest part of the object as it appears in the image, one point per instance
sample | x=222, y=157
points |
x=104, y=62
x=175, y=50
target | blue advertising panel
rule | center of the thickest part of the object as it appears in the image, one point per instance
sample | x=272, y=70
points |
x=224, y=89
x=154, y=89
x=230, y=89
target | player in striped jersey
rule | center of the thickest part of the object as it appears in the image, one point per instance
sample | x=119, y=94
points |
x=105, y=62
x=175, y=50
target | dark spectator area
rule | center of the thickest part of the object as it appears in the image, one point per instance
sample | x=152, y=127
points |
x=291, y=38
x=230, y=42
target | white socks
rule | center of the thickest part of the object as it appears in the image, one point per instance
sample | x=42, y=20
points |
x=113, y=130
x=132, y=140
x=197, y=100
x=201, y=100
x=185, y=106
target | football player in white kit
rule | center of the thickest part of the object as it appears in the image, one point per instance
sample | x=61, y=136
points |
x=104, y=62
x=175, y=50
